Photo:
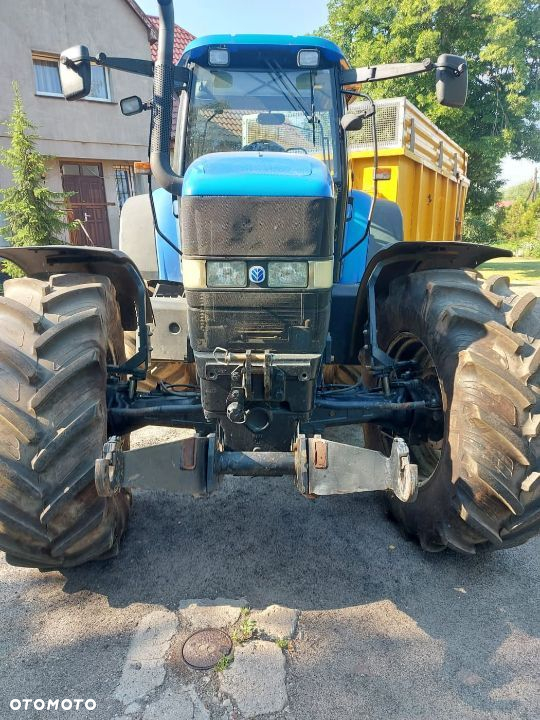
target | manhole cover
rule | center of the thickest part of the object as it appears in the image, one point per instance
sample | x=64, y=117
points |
x=205, y=648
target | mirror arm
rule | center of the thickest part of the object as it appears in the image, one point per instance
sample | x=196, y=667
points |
x=139, y=67
x=130, y=65
x=384, y=72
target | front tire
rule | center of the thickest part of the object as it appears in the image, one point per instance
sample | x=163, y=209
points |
x=57, y=337
x=481, y=482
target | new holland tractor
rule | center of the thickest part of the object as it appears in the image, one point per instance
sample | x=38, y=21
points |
x=287, y=306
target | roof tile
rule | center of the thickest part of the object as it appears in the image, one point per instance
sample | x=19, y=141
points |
x=181, y=38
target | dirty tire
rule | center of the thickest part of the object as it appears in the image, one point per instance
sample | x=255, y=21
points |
x=57, y=336
x=484, y=342
x=167, y=371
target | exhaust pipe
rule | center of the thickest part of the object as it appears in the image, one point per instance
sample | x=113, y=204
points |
x=160, y=162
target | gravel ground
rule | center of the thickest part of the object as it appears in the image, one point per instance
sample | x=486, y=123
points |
x=384, y=630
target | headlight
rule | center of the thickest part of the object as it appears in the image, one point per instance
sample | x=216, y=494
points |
x=223, y=273
x=218, y=56
x=287, y=274
x=308, y=58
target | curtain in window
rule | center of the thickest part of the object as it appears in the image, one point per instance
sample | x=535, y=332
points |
x=47, y=77
x=99, y=83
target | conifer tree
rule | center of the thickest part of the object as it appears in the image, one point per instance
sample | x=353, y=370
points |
x=33, y=213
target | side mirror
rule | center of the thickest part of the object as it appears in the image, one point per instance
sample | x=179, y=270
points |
x=132, y=105
x=451, y=77
x=75, y=72
x=351, y=122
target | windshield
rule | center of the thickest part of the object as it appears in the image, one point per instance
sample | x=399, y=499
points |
x=272, y=110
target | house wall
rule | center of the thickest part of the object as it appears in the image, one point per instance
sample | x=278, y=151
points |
x=86, y=129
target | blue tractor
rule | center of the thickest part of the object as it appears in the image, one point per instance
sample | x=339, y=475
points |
x=287, y=304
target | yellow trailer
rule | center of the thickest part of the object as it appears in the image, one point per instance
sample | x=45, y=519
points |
x=420, y=168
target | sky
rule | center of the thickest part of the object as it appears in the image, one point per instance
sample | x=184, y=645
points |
x=288, y=17
x=209, y=17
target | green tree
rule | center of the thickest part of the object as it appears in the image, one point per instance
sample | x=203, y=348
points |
x=520, y=226
x=484, y=227
x=501, y=41
x=33, y=214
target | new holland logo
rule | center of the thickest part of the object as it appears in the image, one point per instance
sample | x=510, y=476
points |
x=257, y=274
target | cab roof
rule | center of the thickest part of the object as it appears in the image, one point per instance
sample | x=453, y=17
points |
x=247, y=45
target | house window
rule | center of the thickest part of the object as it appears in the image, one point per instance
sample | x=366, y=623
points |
x=47, y=78
x=99, y=90
x=82, y=169
x=124, y=183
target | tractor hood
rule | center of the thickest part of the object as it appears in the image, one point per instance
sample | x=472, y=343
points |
x=250, y=220
x=258, y=174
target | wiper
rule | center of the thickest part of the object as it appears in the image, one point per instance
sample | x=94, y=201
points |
x=312, y=89
x=281, y=78
x=311, y=118
x=217, y=111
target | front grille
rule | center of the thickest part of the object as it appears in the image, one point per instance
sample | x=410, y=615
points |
x=274, y=321
x=257, y=226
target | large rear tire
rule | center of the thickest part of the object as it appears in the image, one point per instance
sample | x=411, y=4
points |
x=57, y=336
x=480, y=479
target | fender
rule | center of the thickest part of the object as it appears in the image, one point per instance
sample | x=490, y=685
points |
x=402, y=259
x=133, y=300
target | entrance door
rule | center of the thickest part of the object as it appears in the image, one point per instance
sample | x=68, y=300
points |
x=88, y=203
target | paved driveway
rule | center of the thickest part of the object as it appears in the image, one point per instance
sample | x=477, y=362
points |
x=379, y=629
x=384, y=631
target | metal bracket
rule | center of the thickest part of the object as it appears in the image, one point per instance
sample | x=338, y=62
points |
x=109, y=469
x=179, y=466
x=301, y=464
x=196, y=465
x=335, y=468
x=402, y=473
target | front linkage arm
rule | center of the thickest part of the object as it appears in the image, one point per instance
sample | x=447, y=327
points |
x=319, y=466
x=196, y=465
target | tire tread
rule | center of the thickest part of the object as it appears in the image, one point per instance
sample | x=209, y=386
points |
x=490, y=495
x=53, y=406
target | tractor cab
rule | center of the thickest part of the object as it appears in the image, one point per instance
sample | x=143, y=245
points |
x=261, y=93
x=274, y=104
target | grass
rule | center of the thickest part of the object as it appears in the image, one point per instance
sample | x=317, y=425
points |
x=283, y=643
x=520, y=270
x=244, y=631
x=223, y=663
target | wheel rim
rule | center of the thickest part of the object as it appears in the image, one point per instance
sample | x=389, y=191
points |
x=427, y=438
